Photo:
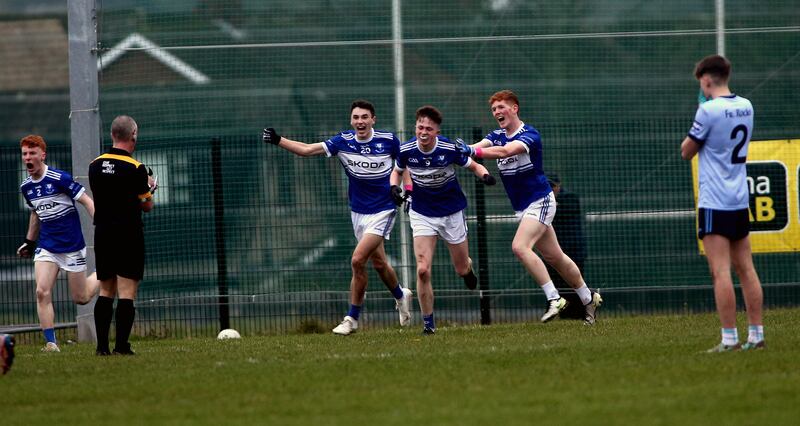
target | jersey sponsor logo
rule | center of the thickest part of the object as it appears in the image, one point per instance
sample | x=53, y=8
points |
x=46, y=206
x=507, y=161
x=432, y=176
x=108, y=167
x=371, y=165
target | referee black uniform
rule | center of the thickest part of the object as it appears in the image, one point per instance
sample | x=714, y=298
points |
x=119, y=186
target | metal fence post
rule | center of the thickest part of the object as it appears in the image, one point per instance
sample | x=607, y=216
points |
x=483, y=250
x=84, y=119
x=219, y=234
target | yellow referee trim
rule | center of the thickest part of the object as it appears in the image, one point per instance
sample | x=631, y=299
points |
x=119, y=157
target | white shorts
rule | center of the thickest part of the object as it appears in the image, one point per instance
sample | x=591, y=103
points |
x=71, y=262
x=452, y=228
x=377, y=223
x=543, y=210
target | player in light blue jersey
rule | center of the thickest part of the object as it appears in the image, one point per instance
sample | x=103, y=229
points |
x=518, y=150
x=438, y=205
x=720, y=136
x=50, y=194
x=367, y=156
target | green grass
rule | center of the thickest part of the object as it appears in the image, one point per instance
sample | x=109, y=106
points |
x=641, y=370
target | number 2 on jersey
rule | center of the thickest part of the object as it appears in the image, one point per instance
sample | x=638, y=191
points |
x=735, y=158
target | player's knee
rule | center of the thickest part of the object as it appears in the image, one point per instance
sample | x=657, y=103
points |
x=42, y=294
x=81, y=300
x=358, y=262
x=423, y=271
x=462, y=269
x=520, y=250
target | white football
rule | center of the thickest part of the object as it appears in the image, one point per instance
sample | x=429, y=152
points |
x=228, y=333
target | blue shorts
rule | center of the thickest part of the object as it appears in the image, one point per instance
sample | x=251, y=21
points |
x=731, y=224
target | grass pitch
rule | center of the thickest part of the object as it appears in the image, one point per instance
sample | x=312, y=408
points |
x=641, y=370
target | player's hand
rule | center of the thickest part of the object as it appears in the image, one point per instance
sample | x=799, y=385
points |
x=270, y=136
x=463, y=148
x=26, y=249
x=397, y=194
x=407, y=207
x=488, y=180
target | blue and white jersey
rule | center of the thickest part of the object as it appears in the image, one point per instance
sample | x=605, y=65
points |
x=368, y=165
x=53, y=197
x=436, y=189
x=522, y=174
x=723, y=127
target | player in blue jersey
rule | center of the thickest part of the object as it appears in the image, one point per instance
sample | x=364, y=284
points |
x=437, y=209
x=518, y=150
x=720, y=136
x=50, y=194
x=367, y=156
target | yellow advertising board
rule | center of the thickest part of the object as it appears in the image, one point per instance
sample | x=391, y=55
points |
x=773, y=172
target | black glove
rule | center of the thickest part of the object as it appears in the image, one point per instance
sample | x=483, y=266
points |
x=408, y=201
x=270, y=136
x=488, y=180
x=26, y=249
x=397, y=195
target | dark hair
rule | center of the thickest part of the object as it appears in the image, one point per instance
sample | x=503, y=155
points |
x=504, y=96
x=122, y=128
x=431, y=112
x=715, y=66
x=361, y=103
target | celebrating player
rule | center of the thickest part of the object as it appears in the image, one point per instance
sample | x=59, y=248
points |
x=367, y=156
x=518, y=150
x=54, y=222
x=720, y=135
x=437, y=210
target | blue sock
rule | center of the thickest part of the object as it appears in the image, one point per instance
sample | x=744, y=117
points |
x=397, y=292
x=49, y=334
x=428, y=320
x=354, y=312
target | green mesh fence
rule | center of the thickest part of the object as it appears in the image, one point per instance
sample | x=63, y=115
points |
x=607, y=83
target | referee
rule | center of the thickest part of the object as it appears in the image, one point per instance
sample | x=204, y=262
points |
x=122, y=190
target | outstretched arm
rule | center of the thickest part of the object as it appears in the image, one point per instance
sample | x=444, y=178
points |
x=295, y=147
x=481, y=150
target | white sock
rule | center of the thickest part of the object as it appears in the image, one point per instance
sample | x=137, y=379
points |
x=550, y=290
x=584, y=293
x=730, y=336
x=755, y=333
